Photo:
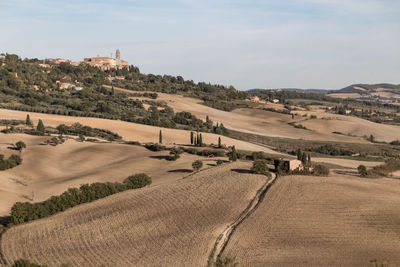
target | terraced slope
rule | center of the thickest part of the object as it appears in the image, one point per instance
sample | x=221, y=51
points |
x=317, y=221
x=173, y=224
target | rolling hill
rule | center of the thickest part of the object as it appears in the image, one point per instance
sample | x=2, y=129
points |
x=321, y=221
x=170, y=224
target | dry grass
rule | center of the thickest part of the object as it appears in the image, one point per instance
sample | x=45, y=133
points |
x=173, y=224
x=317, y=221
x=249, y=120
x=131, y=131
x=48, y=170
x=350, y=125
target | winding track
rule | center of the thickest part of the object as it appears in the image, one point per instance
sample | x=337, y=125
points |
x=225, y=236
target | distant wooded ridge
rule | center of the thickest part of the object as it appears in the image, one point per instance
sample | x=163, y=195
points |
x=348, y=89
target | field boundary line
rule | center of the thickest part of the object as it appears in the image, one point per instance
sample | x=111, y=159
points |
x=225, y=236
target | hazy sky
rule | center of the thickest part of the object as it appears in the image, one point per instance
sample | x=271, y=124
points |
x=245, y=43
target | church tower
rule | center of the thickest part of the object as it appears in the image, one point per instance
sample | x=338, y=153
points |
x=118, y=57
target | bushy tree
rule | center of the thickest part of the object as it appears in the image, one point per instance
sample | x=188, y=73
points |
x=197, y=165
x=175, y=154
x=233, y=154
x=260, y=167
x=20, y=145
x=321, y=170
x=137, y=181
x=362, y=170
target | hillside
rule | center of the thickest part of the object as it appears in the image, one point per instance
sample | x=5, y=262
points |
x=367, y=88
x=173, y=224
x=47, y=170
x=384, y=93
x=318, y=221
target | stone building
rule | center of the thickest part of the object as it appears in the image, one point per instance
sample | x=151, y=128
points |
x=106, y=63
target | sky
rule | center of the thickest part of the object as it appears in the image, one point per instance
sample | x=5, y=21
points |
x=323, y=44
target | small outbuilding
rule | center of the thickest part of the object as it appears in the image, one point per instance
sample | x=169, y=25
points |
x=288, y=164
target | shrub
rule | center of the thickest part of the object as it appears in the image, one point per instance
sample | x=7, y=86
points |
x=20, y=145
x=25, y=263
x=395, y=143
x=320, y=170
x=137, y=181
x=233, y=156
x=362, y=170
x=155, y=147
x=225, y=262
x=214, y=153
x=197, y=165
x=388, y=167
x=260, y=167
x=220, y=162
x=11, y=162
x=174, y=154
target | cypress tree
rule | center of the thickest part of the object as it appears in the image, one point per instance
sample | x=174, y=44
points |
x=304, y=158
x=298, y=153
x=160, y=137
x=191, y=138
x=219, y=142
x=309, y=159
x=201, y=140
x=233, y=156
x=28, y=120
x=40, y=126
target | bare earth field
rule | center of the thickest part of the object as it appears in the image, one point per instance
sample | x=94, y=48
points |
x=132, y=131
x=50, y=170
x=174, y=224
x=322, y=221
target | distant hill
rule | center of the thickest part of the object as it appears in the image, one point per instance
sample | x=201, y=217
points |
x=368, y=88
x=382, y=92
x=298, y=90
x=354, y=88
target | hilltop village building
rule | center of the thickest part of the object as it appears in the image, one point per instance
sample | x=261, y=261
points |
x=104, y=63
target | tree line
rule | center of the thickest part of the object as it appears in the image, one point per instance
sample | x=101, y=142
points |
x=22, y=212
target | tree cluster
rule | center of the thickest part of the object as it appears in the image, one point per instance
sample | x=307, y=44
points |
x=11, y=162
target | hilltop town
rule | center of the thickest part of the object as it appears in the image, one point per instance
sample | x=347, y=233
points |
x=104, y=63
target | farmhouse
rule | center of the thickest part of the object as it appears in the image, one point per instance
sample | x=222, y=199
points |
x=289, y=164
x=255, y=99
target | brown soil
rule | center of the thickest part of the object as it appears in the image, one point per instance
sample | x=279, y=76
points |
x=173, y=224
x=322, y=221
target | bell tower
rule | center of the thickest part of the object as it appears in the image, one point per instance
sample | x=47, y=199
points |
x=118, y=57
